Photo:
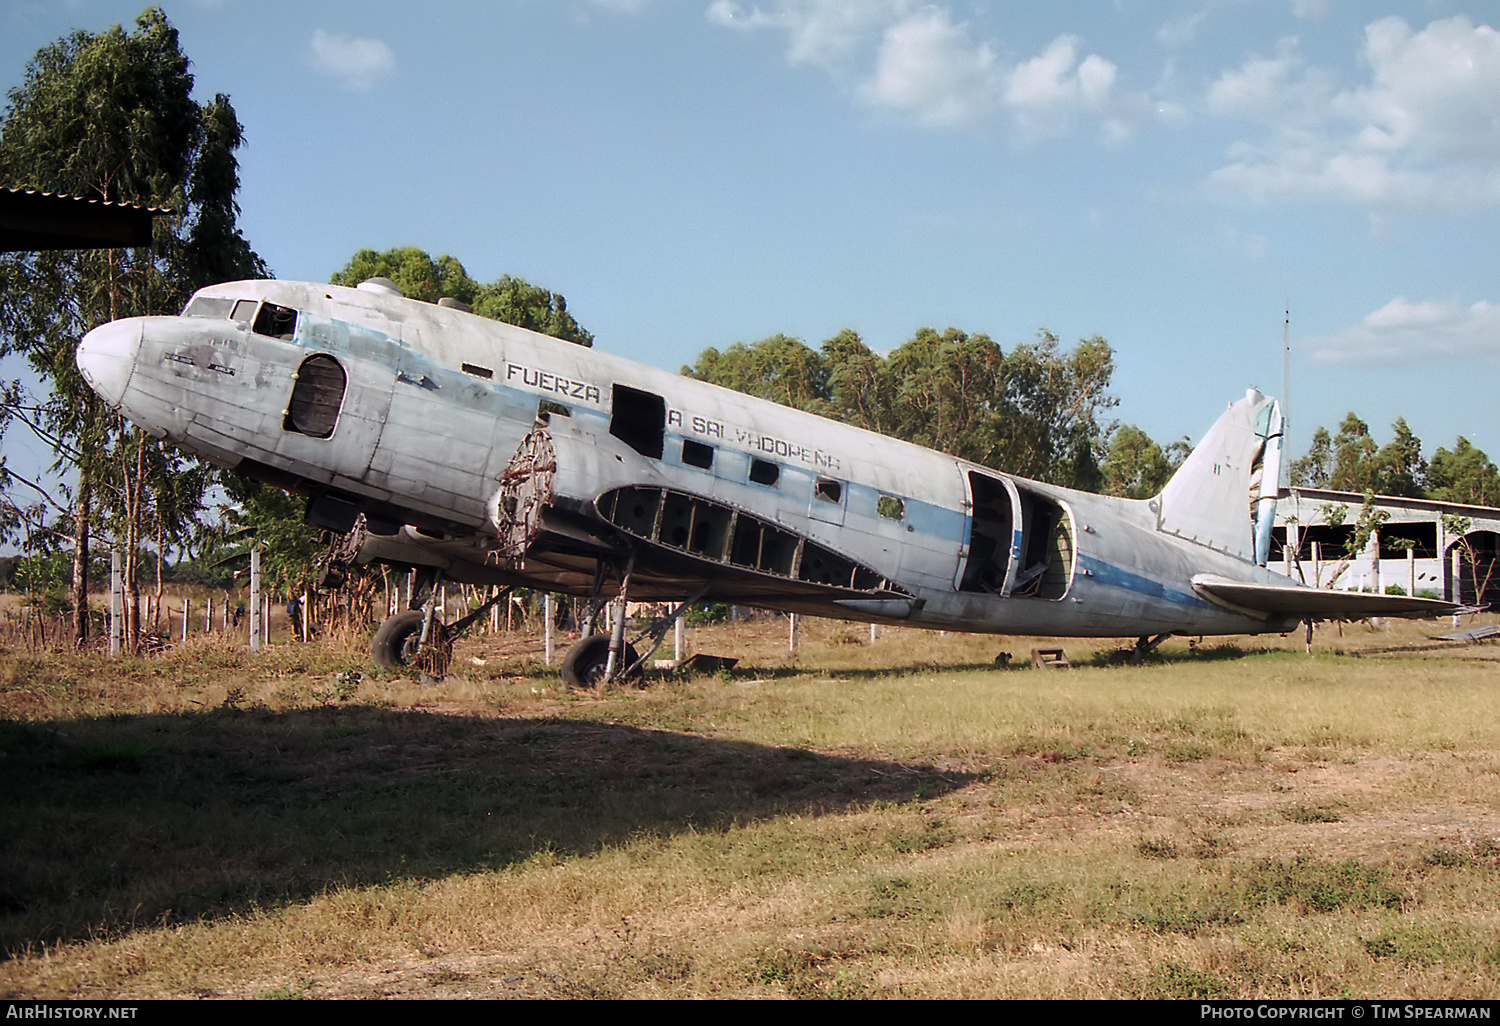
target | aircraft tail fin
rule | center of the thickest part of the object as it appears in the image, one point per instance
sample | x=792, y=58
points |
x=1215, y=498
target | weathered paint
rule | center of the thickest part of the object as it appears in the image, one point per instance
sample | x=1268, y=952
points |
x=438, y=400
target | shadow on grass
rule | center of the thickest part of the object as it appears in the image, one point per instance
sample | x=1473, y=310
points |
x=130, y=821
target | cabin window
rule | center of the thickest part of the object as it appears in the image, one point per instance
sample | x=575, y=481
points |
x=890, y=507
x=316, y=397
x=764, y=473
x=639, y=419
x=547, y=409
x=829, y=490
x=276, y=321
x=215, y=307
x=478, y=371
x=696, y=454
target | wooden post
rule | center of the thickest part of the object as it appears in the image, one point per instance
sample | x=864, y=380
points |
x=549, y=624
x=116, y=602
x=187, y=607
x=679, y=636
x=796, y=621
x=255, y=599
x=1458, y=583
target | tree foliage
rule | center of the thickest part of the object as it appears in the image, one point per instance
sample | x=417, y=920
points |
x=1464, y=475
x=1036, y=411
x=1138, y=468
x=1350, y=461
x=420, y=276
x=110, y=116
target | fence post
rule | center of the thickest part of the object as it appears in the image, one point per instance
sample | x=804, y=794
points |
x=255, y=609
x=549, y=621
x=116, y=602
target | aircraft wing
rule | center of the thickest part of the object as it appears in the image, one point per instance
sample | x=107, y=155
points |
x=1306, y=603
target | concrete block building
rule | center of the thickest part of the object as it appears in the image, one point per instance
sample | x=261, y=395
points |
x=1436, y=549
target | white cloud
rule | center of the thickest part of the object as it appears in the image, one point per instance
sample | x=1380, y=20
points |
x=929, y=68
x=1311, y=10
x=1054, y=86
x=1402, y=332
x=1423, y=132
x=357, y=62
x=1182, y=30
x=919, y=61
x=825, y=33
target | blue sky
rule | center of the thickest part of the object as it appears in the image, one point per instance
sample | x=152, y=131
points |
x=693, y=173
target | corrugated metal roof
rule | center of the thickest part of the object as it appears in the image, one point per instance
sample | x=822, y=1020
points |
x=33, y=220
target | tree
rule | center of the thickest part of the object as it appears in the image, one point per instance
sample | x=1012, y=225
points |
x=1054, y=404
x=1035, y=412
x=1353, y=457
x=419, y=276
x=1138, y=468
x=1314, y=469
x=859, y=383
x=779, y=368
x=1399, y=466
x=1351, y=462
x=1463, y=475
x=413, y=271
x=110, y=116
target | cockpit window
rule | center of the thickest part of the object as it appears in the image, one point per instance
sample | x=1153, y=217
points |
x=276, y=321
x=217, y=307
x=244, y=310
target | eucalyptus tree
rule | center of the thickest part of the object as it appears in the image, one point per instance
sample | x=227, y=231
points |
x=110, y=116
x=1037, y=411
x=421, y=276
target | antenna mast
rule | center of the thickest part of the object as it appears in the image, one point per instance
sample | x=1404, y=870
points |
x=1286, y=372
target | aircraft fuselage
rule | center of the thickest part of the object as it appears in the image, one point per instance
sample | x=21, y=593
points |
x=502, y=456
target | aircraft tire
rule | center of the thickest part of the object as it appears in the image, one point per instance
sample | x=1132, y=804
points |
x=395, y=643
x=584, y=664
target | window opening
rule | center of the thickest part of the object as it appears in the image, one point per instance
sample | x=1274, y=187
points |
x=890, y=507
x=639, y=419
x=829, y=490
x=276, y=321
x=764, y=473
x=696, y=454
x=244, y=310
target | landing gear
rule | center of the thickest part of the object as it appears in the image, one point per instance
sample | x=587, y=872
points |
x=1145, y=645
x=396, y=642
x=587, y=663
x=418, y=639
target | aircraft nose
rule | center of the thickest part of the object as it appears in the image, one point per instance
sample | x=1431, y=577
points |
x=106, y=358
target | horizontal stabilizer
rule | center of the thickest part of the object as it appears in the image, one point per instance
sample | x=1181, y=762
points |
x=1318, y=603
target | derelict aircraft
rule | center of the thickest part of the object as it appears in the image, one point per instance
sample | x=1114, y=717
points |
x=423, y=435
